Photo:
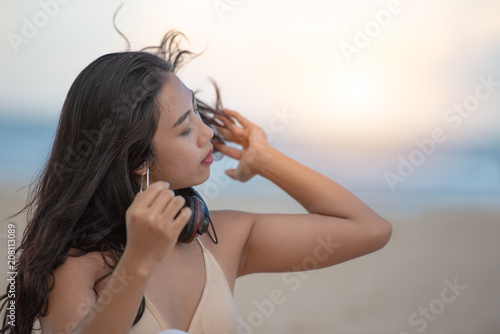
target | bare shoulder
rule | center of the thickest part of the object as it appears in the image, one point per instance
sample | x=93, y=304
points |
x=232, y=228
x=90, y=266
x=72, y=293
x=228, y=218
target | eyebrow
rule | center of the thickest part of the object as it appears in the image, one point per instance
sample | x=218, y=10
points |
x=185, y=115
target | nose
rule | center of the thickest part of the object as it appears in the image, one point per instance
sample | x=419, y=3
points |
x=206, y=134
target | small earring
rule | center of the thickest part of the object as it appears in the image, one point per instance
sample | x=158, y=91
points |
x=147, y=178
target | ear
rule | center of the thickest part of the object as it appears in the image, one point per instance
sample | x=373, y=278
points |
x=142, y=170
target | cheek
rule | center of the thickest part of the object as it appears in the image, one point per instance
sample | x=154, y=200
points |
x=177, y=159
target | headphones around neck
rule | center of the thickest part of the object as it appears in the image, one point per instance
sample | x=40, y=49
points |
x=200, y=221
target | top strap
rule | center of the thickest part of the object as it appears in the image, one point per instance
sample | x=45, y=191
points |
x=201, y=244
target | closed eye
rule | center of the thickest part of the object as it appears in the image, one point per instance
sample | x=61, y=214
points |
x=187, y=132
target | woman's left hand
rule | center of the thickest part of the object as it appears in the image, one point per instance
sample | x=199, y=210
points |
x=252, y=139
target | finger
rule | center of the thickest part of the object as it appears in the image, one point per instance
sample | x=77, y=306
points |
x=229, y=151
x=150, y=194
x=161, y=201
x=173, y=207
x=233, y=125
x=226, y=121
x=242, y=120
x=225, y=132
x=181, y=220
x=237, y=175
x=137, y=199
x=231, y=173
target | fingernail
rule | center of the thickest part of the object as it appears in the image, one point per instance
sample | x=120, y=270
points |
x=168, y=184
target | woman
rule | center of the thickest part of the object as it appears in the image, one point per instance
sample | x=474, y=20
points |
x=101, y=252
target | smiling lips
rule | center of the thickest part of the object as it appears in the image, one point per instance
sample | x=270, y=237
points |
x=209, y=158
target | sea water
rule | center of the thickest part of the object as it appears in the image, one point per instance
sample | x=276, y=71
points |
x=448, y=178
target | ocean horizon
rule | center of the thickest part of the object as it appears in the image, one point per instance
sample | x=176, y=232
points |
x=456, y=178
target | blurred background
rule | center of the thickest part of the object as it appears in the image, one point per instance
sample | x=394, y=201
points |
x=396, y=100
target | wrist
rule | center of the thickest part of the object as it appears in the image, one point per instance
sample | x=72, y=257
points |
x=263, y=159
x=134, y=266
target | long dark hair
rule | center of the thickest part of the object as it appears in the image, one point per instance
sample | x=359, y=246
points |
x=78, y=203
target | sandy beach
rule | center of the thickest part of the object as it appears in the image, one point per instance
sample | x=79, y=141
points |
x=398, y=289
x=438, y=274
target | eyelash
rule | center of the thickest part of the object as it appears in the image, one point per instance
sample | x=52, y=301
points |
x=187, y=132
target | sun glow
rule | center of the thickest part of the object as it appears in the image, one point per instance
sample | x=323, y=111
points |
x=361, y=101
x=356, y=93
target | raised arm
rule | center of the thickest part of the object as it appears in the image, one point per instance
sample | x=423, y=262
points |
x=281, y=242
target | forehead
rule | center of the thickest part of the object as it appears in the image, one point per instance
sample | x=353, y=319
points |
x=174, y=99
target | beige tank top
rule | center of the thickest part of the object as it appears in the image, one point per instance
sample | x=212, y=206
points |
x=216, y=312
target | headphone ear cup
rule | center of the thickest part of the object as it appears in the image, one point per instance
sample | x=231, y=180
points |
x=189, y=231
x=200, y=221
x=205, y=216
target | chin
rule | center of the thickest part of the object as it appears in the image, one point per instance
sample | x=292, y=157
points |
x=199, y=179
x=205, y=179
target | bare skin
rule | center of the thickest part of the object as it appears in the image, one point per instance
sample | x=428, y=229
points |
x=172, y=275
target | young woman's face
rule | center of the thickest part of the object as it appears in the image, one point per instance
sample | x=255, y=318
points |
x=181, y=143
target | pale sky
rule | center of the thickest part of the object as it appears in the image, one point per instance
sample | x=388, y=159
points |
x=407, y=61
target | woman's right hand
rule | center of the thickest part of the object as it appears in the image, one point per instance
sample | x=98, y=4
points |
x=152, y=232
x=152, y=226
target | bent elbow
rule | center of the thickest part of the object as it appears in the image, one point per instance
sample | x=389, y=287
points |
x=383, y=232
